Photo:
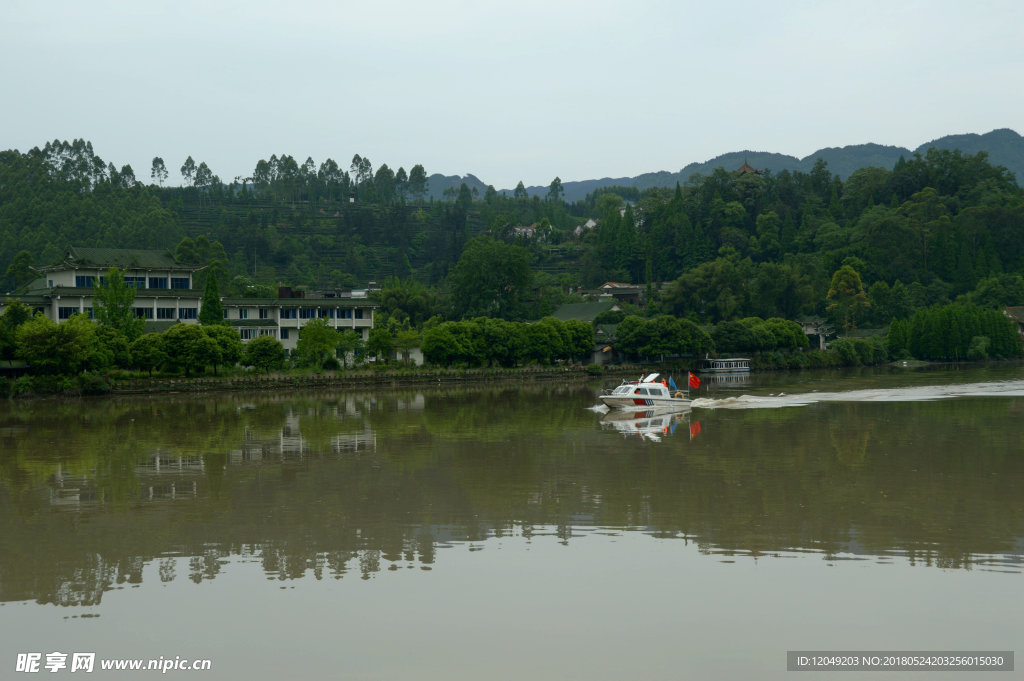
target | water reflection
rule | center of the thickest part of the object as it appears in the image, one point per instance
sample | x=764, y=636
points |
x=650, y=424
x=330, y=486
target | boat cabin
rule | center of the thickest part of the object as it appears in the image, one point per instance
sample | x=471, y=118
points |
x=648, y=385
x=649, y=389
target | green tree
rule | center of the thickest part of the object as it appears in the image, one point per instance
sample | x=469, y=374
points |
x=211, y=313
x=188, y=171
x=695, y=340
x=111, y=349
x=148, y=352
x=847, y=298
x=206, y=352
x=418, y=182
x=631, y=335
x=999, y=291
x=204, y=176
x=20, y=270
x=52, y=348
x=896, y=340
x=318, y=344
x=580, y=339
x=405, y=341
x=265, y=353
x=229, y=345
x=15, y=314
x=185, y=346
x=113, y=305
x=490, y=279
x=555, y=190
x=379, y=344
x=447, y=344
x=350, y=345
x=733, y=336
x=407, y=300
x=158, y=171
x=543, y=343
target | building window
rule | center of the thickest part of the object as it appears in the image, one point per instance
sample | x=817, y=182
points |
x=346, y=313
x=288, y=313
x=243, y=313
x=89, y=313
x=158, y=282
x=180, y=282
x=284, y=334
x=264, y=313
x=188, y=313
x=82, y=281
x=307, y=313
x=135, y=282
x=144, y=312
x=359, y=313
x=66, y=312
x=269, y=332
x=165, y=313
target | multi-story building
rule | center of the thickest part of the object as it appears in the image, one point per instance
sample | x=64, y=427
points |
x=165, y=295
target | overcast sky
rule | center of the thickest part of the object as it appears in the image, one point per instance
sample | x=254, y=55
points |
x=511, y=91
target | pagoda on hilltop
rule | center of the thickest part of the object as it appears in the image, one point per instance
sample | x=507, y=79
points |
x=747, y=168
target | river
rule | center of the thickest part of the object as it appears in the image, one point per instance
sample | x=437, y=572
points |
x=517, y=532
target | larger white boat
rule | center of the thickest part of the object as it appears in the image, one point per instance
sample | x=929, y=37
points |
x=732, y=365
x=647, y=392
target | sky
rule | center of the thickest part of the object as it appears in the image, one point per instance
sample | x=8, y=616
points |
x=508, y=91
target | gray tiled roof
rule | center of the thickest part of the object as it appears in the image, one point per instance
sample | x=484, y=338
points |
x=124, y=258
x=585, y=312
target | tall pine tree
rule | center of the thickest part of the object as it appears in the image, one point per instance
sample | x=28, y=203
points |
x=211, y=312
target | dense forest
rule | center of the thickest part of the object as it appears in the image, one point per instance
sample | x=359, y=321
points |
x=937, y=227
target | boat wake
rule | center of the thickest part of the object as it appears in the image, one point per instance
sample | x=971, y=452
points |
x=922, y=393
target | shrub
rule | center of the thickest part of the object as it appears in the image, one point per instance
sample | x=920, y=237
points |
x=24, y=385
x=978, y=349
x=93, y=384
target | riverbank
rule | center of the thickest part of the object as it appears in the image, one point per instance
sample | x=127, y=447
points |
x=241, y=381
x=391, y=378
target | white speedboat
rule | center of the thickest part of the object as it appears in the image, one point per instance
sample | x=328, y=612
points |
x=647, y=392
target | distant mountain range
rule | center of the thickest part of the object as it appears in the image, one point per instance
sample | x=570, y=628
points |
x=1005, y=148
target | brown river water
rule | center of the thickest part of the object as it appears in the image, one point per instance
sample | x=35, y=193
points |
x=517, y=532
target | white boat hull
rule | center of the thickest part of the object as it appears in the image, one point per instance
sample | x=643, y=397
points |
x=635, y=401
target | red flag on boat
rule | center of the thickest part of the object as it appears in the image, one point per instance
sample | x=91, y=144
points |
x=694, y=381
x=694, y=429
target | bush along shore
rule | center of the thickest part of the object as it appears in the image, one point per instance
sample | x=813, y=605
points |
x=125, y=383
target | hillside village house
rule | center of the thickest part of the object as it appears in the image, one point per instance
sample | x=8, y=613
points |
x=166, y=295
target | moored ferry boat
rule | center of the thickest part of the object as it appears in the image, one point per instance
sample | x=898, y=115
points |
x=732, y=365
x=647, y=392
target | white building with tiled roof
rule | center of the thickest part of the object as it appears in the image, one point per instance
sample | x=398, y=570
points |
x=165, y=295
